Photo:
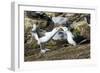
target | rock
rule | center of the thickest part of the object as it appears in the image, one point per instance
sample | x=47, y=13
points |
x=82, y=28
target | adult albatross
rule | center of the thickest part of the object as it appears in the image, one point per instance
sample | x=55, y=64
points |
x=65, y=34
x=44, y=39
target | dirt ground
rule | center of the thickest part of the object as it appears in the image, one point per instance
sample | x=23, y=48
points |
x=57, y=53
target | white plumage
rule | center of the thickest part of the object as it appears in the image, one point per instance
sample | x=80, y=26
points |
x=47, y=36
x=66, y=34
x=69, y=36
x=61, y=35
